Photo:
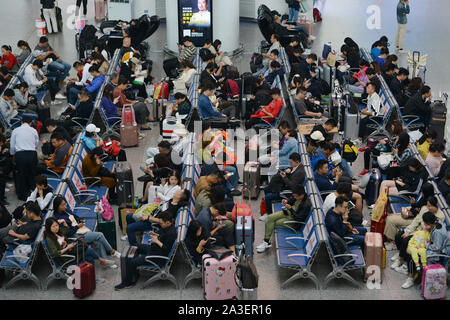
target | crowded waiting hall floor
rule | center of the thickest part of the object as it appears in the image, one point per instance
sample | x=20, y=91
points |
x=331, y=186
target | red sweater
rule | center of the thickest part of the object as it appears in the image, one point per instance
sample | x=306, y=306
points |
x=274, y=108
x=11, y=59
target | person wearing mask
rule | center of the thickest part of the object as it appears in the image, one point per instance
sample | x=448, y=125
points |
x=23, y=147
x=297, y=209
x=187, y=52
x=58, y=160
x=402, y=11
x=9, y=60
x=48, y=10
x=419, y=105
x=161, y=245
x=24, y=54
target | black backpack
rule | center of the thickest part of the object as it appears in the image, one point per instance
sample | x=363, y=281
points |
x=339, y=246
x=290, y=2
x=349, y=150
x=87, y=38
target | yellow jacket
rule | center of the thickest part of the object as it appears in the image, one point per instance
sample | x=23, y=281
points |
x=424, y=149
x=419, y=238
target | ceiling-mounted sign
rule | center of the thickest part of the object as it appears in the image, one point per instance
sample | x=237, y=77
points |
x=195, y=20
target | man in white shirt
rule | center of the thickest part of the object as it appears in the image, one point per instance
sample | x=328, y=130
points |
x=373, y=109
x=274, y=40
x=23, y=145
x=202, y=18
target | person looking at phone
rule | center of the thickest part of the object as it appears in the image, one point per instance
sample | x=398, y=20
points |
x=336, y=220
x=197, y=241
x=295, y=212
x=160, y=244
x=215, y=227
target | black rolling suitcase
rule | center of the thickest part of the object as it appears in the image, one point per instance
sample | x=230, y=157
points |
x=129, y=253
x=438, y=118
x=125, y=186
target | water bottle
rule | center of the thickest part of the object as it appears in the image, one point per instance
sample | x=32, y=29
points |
x=136, y=202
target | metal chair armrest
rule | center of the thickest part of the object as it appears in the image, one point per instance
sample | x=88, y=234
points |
x=148, y=259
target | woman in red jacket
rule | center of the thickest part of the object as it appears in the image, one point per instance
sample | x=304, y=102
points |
x=8, y=59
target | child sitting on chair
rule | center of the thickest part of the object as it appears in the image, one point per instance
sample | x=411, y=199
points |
x=417, y=246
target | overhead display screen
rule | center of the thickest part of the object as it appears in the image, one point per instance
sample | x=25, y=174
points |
x=195, y=20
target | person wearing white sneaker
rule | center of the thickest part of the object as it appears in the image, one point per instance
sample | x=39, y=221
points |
x=408, y=283
x=296, y=209
x=124, y=238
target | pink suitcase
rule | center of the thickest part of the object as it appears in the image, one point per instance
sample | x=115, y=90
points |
x=100, y=10
x=373, y=243
x=434, y=282
x=219, y=281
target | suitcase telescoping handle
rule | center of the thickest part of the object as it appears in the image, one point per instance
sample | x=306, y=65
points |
x=129, y=106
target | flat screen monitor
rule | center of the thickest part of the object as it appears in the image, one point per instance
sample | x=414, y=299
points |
x=195, y=20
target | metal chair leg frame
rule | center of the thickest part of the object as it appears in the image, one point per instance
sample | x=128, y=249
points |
x=161, y=276
x=54, y=276
x=195, y=274
x=24, y=276
x=302, y=274
x=340, y=274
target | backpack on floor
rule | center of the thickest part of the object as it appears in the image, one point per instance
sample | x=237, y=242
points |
x=349, y=150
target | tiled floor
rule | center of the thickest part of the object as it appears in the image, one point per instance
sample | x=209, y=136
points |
x=426, y=30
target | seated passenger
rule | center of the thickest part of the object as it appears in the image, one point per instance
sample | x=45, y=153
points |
x=285, y=180
x=374, y=108
x=300, y=104
x=419, y=105
x=197, y=241
x=165, y=191
x=187, y=52
x=161, y=245
x=297, y=209
x=75, y=227
x=434, y=159
x=92, y=167
x=182, y=105
x=90, y=137
x=217, y=228
x=81, y=111
x=267, y=114
x=26, y=102
x=109, y=105
x=423, y=144
x=58, y=67
x=22, y=231
x=336, y=220
x=53, y=126
x=444, y=186
x=58, y=160
x=206, y=107
x=43, y=193
x=9, y=60
x=58, y=245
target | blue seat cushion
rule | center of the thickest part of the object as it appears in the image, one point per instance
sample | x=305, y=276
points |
x=7, y=264
x=91, y=224
x=284, y=244
x=285, y=261
x=393, y=199
x=359, y=260
x=100, y=191
x=52, y=182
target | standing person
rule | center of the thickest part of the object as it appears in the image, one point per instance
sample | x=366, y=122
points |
x=77, y=12
x=402, y=11
x=294, y=9
x=23, y=146
x=48, y=9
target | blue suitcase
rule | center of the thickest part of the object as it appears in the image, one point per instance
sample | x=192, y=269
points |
x=244, y=232
x=373, y=187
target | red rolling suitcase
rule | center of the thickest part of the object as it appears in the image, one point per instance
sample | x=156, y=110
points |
x=87, y=277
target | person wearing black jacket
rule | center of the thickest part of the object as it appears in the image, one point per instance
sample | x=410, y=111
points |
x=397, y=85
x=444, y=186
x=52, y=126
x=419, y=105
x=352, y=57
x=160, y=245
x=197, y=241
x=82, y=111
x=296, y=209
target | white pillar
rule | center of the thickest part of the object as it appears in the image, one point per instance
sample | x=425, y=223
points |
x=226, y=23
x=172, y=24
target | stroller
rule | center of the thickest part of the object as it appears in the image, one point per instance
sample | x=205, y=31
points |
x=110, y=35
